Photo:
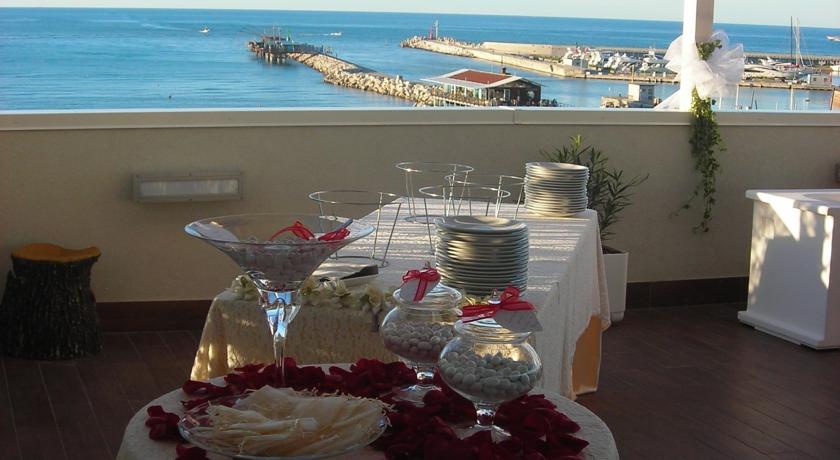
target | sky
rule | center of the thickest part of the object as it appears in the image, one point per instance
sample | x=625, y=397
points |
x=811, y=13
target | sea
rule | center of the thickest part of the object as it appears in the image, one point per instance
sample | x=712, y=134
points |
x=87, y=58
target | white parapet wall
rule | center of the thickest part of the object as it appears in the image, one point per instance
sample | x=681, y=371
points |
x=65, y=178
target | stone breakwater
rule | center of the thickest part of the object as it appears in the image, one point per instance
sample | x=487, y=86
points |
x=343, y=73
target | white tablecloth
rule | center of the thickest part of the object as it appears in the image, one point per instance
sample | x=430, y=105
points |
x=566, y=282
x=236, y=333
x=136, y=444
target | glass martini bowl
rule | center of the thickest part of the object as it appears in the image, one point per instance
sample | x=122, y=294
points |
x=279, y=252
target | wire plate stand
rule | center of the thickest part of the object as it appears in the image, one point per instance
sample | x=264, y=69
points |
x=358, y=204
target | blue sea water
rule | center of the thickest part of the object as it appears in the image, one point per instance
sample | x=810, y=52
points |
x=53, y=58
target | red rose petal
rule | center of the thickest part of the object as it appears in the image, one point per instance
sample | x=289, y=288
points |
x=538, y=430
x=187, y=452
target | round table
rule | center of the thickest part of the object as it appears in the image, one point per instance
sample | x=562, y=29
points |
x=136, y=444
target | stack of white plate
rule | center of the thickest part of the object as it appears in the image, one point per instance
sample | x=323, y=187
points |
x=555, y=188
x=480, y=254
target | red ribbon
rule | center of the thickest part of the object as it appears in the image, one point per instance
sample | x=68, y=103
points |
x=426, y=276
x=337, y=235
x=297, y=228
x=509, y=301
x=304, y=233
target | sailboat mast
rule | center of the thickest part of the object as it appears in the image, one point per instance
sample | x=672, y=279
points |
x=791, y=40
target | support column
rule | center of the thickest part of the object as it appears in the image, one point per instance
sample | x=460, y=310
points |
x=698, y=16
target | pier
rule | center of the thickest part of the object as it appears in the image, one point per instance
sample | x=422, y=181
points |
x=546, y=59
x=339, y=72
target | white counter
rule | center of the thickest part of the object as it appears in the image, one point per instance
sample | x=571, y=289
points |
x=794, y=288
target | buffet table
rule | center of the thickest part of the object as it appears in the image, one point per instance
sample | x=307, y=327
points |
x=136, y=444
x=566, y=283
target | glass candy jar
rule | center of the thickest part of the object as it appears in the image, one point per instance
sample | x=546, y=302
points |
x=418, y=331
x=489, y=365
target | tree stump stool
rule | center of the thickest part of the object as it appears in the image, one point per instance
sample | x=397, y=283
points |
x=48, y=309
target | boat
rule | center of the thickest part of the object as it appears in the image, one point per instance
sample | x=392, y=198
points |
x=204, y=30
x=761, y=71
x=335, y=34
x=834, y=38
x=769, y=62
x=654, y=60
x=798, y=63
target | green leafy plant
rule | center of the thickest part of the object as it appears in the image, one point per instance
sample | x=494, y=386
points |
x=705, y=141
x=608, y=189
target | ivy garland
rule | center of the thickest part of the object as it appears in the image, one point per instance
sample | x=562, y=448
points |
x=705, y=140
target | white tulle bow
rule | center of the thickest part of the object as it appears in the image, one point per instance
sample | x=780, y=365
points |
x=713, y=78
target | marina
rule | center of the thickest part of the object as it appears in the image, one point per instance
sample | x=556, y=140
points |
x=626, y=64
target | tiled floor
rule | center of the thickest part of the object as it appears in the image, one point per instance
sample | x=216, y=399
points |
x=676, y=383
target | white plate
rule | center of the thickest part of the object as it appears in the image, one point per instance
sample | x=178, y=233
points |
x=555, y=198
x=548, y=202
x=554, y=204
x=485, y=249
x=476, y=238
x=544, y=213
x=483, y=269
x=488, y=280
x=546, y=165
x=480, y=224
x=557, y=209
x=486, y=274
x=556, y=186
x=497, y=244
x=557, y=195
x=531, y=175
x=499, y=284
x=484, y=290
x=562, y=192
x=458, y=254
x=481, y=265
x=498, y=262
x=570, y=188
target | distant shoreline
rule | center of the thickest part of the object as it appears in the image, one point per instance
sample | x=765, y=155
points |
x=433, y=15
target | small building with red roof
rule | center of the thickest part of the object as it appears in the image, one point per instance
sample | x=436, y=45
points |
x=479, y=88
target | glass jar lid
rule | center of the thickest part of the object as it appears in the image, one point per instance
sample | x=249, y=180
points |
x=442, y=297
x=488, y=330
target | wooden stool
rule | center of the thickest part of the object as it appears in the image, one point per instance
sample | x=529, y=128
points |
x=48, y=309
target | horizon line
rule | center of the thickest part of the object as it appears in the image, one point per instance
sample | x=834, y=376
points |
x=381, y=12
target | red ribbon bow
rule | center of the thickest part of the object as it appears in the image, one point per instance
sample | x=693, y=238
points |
x=337, y=235
x=297, y=228
x=429, y=275
x=509, y=301
x=304, y=233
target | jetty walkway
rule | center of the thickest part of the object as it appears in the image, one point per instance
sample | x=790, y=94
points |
x=344, y=73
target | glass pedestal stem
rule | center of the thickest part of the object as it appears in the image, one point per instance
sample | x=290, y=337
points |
x=280, y=308
x=425, y=377
x=484, y=415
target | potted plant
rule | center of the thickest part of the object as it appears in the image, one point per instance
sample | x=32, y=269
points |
x=609, y=192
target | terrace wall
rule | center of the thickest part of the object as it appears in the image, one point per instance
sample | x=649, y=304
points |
x=66, y=178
